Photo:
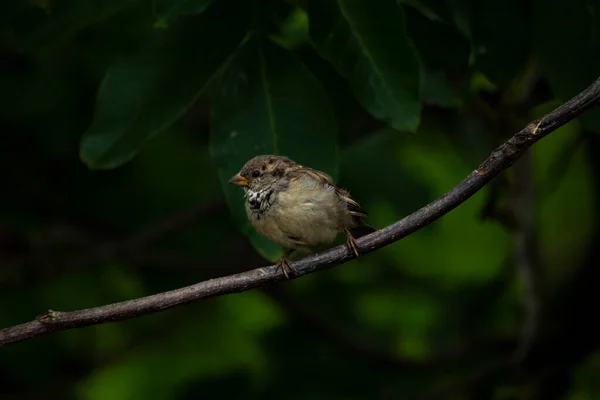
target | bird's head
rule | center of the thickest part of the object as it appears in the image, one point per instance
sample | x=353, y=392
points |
x=262, y=172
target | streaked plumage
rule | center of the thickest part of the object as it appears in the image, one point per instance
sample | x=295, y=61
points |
x=296, y=206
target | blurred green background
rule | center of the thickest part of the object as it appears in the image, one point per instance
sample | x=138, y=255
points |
x=122, y=119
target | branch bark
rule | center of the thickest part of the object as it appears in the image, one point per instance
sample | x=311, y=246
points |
x=501, y=158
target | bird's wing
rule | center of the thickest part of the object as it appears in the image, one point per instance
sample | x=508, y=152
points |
x=353, y=206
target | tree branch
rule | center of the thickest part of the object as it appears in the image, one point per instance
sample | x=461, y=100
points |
x=501, y=158
x=159, y=230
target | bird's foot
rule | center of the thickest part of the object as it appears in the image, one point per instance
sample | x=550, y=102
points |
x=284, y=265
x=351, y=243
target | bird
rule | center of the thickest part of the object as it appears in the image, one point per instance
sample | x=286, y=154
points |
x=298, y=207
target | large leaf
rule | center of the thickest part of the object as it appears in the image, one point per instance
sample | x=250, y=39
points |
x=439, y=44
x=42, y=22
x=442, y=50
x=269, y=103
x=458, y=13
x=367, y=44
x=499, y=53
x=437, y=90
x=145, y=93
x=566, y=39
x=433, y=10
x=500, y=39
x=169, y=10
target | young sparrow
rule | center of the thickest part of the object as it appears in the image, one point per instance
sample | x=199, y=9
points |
x=297, y=207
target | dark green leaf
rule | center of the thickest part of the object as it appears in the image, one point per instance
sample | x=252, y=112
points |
x=566, y=39
x=169, y=10
x=46, y=21
x=438, y=44
x=462, y=12
x=294, y=30
x=367, y=44
x=442, y=50
x=146, y=92
x=269, y=103
x=433, y=10
x=500, y=36
x=436, y=89
x=456, y=13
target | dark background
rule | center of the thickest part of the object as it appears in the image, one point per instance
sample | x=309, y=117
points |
x=119, y=122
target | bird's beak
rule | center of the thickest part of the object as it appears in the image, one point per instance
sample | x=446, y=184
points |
x=239, y=180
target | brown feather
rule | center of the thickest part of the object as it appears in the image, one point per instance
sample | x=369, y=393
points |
x=352, y=205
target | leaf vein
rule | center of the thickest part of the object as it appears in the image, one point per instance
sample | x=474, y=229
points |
x=365, y=51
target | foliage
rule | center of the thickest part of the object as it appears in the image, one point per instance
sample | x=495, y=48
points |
x=118, y=115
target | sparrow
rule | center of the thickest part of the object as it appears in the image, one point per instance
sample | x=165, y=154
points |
x=297, y=207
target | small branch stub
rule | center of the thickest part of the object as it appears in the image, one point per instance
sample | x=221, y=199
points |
x=48, y=318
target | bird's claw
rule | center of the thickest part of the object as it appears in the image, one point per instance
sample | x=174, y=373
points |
x=351, y=243
x=285, y=267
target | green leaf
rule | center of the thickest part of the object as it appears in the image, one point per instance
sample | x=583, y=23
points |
x=145, y=93
x=436, y=89
x=438, y=44
x=501, y=44
x=442, y=49
x=294, y=30
x=169, y=10
x=44, y=22
x=433, y=10
x=269, y=103
x=566, y=39
x=367, y=44
x=462, y=12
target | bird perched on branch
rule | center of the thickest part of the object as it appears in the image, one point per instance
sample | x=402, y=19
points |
x=297, y=207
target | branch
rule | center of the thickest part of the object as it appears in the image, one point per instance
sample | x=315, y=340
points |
x=161, y=229
x=90, y=254
x=501, y=158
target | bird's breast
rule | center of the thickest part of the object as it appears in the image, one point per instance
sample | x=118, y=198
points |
x=259, y=201
x=304, y=214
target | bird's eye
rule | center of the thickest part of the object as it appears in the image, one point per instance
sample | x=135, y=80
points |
x=255, y=174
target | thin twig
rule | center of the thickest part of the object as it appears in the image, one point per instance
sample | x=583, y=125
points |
x=90, y=254
x=501, y=158
x=175, y=223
